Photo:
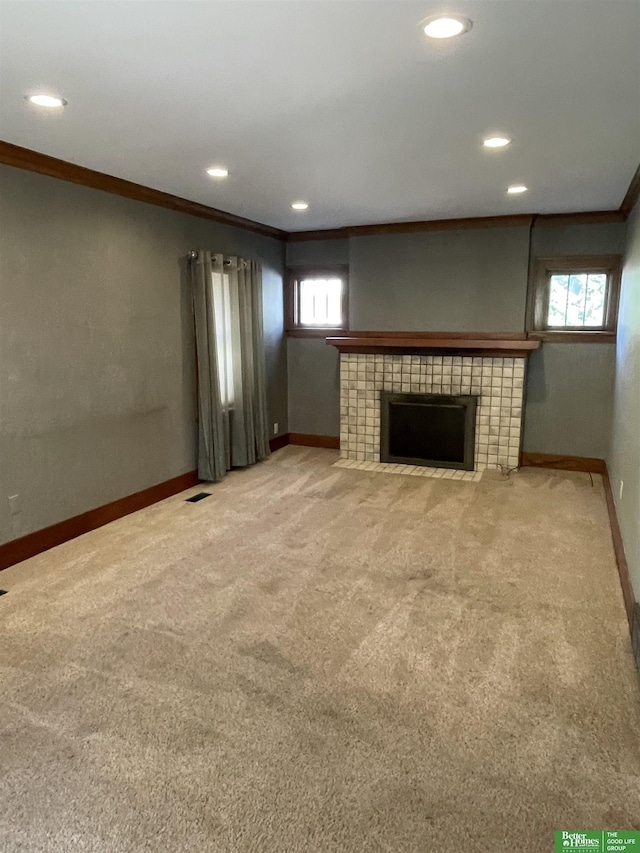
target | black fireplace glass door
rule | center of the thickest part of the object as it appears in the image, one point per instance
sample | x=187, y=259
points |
x=428, y=429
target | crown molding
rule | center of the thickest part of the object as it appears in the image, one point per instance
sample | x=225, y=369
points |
x=43, y=164
x=587, y=217
x=512, y=221
x=633, y=194
x=411, y=227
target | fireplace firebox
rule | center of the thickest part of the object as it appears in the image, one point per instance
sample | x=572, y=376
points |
x=436, y=430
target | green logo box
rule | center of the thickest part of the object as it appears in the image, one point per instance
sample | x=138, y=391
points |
x=600, y=841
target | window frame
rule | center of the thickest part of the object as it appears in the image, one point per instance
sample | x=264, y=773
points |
x=295, y=274
x=538, y=308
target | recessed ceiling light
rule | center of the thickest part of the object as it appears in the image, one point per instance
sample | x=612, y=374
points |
x=218, y=172
x=514, y=189
x=50, y=101
x=299, y=205
x=446, y=26
x=496, y=141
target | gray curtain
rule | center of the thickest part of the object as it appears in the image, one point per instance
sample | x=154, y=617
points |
x=232, y=399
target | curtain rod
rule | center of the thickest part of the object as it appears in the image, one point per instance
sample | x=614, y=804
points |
x=193, y=254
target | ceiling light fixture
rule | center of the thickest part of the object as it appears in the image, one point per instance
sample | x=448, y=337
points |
x=218, y=172
x=446, y=26
x=496, y=141
x=515, y=189
x=49, y=101
x=299, y=205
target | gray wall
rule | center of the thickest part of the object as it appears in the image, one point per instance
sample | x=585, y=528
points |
x=467, y=280
x=470, y=281
x=313, y=368
x=624, y=455
x=569, y=397
x=97, y=393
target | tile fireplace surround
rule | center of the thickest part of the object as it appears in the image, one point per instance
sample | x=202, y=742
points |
x=498, y=382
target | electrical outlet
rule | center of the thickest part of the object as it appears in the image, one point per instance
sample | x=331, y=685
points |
x=14, y=504
x=621, y=488
x=275, y=429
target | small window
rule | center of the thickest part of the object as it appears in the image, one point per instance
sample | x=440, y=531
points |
x=317, y=300
x=575, y=298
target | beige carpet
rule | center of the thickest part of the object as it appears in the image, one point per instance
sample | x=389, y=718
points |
x=319, y=659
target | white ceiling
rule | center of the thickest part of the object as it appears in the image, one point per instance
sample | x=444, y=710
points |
x=342, y=103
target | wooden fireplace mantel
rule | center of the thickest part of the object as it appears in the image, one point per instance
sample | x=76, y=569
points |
x=495, y=344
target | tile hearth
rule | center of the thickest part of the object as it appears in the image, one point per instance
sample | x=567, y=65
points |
x=411, y=470
x=498, y=383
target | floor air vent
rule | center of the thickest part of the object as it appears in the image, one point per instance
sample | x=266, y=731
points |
x=199, y=497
